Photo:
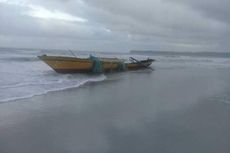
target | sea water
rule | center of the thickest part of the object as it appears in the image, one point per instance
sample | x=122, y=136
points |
x=23, y=75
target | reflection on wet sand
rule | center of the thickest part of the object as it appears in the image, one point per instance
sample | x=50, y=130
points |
x=177, y=111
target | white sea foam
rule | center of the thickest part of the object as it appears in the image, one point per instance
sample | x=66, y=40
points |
x=45, y=91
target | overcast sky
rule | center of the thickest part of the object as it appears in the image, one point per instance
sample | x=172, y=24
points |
x=116, y=25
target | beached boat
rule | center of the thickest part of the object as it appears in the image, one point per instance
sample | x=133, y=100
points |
x=62, y=64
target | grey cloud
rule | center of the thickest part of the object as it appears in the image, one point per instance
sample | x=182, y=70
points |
x=161, y=18
x=217, y=9
x=140, y=24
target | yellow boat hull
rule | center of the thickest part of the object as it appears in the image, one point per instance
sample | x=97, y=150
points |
x=79, y=65
x=74, y=65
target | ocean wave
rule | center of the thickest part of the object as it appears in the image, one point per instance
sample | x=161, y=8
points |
x=79, y=84
x=29, y=84
x=19, y=59
x=186, y=61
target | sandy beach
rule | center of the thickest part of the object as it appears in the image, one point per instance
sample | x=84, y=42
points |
x=164, y=111
x=114, y=76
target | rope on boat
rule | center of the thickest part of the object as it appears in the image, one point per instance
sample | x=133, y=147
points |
x=98, y=67
x=97, y=64
x=121, y=66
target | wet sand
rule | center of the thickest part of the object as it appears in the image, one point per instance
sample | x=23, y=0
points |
x=165, y=111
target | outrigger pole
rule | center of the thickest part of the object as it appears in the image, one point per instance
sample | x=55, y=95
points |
x=72, y=53
x=138, y=62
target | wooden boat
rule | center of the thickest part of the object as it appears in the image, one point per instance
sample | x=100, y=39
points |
x=63, y=64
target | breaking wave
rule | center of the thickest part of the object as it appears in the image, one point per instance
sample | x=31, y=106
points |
x=44, y=88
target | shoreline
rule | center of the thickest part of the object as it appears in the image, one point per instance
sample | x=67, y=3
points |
x=164, y=111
